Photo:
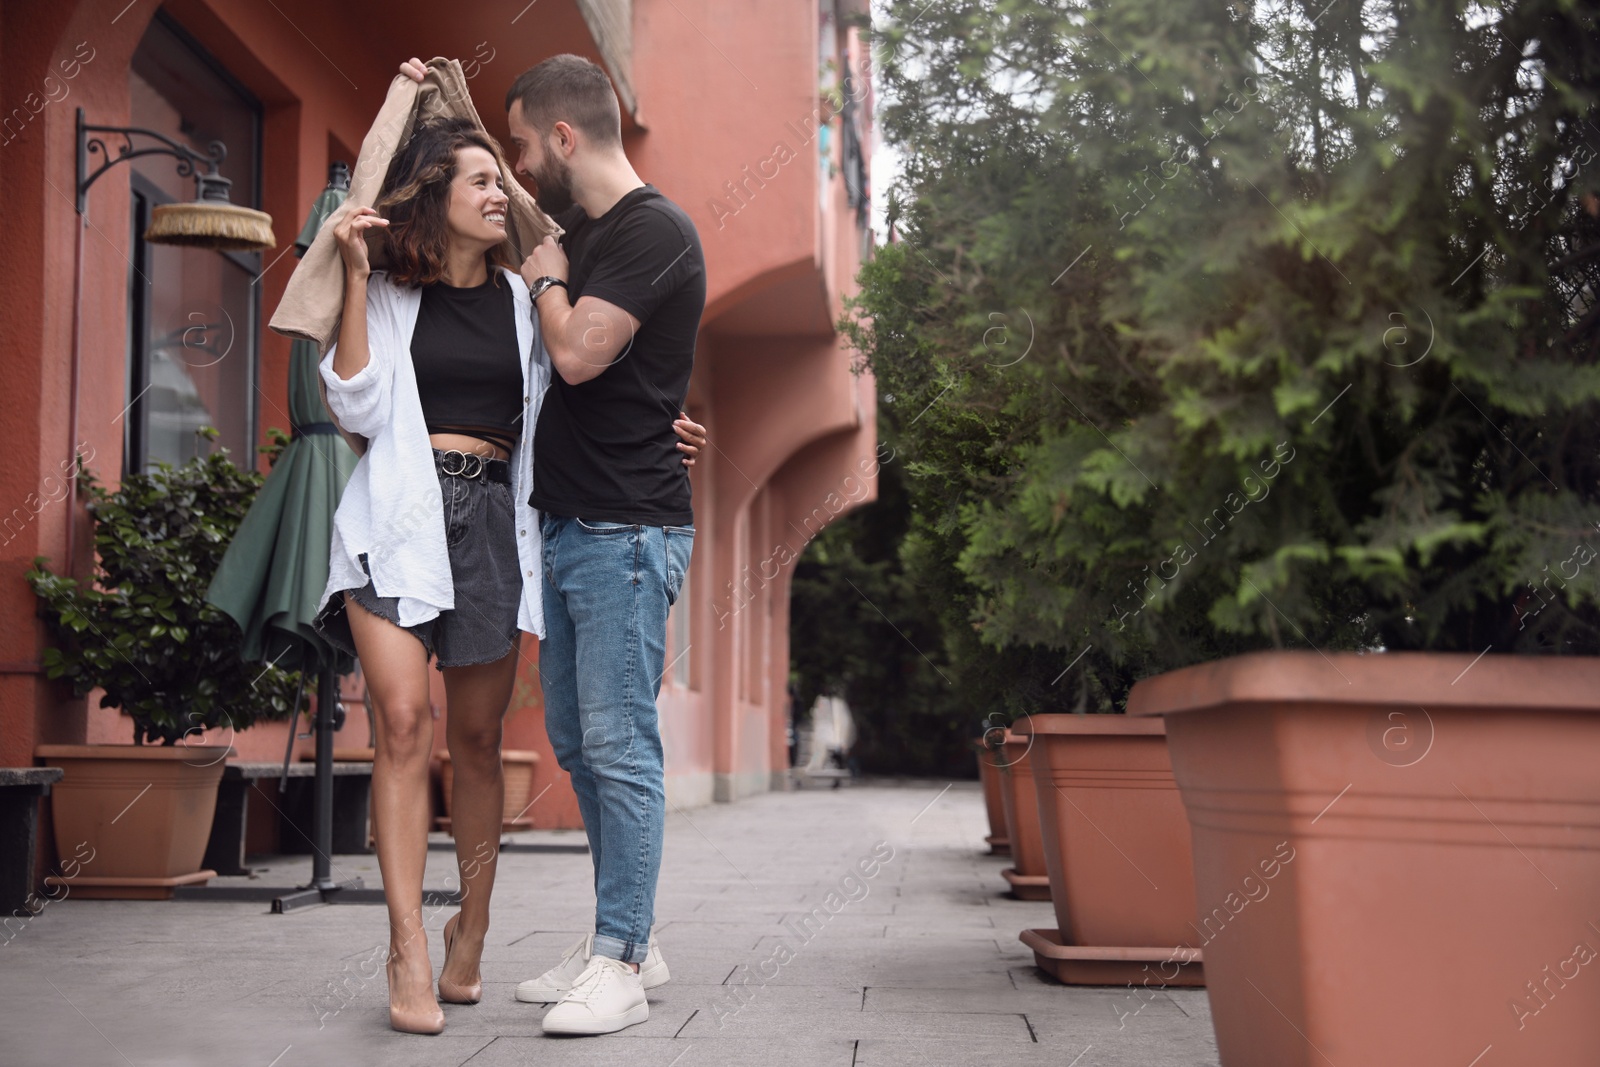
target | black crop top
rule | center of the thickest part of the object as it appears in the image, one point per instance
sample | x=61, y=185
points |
x=469, y=370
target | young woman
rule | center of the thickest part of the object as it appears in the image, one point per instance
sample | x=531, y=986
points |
x=435, y=550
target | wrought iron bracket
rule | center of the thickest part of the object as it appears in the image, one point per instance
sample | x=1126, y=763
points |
x=212, y=185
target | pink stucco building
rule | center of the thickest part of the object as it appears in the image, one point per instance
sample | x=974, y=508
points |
x=757, y=119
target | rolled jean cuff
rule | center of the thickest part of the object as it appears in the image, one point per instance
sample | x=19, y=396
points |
x=613, y=948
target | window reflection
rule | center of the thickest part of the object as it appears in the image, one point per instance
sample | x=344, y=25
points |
x=192, y=312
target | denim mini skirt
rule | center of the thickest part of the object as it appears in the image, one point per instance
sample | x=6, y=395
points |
x=480, y=536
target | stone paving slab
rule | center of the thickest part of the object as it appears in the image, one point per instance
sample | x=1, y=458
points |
x=917, y=964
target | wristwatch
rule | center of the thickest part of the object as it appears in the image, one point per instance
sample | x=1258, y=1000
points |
x=540, y=285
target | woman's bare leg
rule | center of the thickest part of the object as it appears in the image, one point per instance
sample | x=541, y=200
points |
x=396, y=668
x=478, y=696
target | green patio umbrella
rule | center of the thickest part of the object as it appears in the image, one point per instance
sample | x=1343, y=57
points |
x=271, y=578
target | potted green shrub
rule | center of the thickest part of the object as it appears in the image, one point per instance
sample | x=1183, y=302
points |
x=1303, y=308
x=141, y=630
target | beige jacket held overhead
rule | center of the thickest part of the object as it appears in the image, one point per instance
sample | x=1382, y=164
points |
x=314, y=300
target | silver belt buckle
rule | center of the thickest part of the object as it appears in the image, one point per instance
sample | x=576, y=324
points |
x=468, y=464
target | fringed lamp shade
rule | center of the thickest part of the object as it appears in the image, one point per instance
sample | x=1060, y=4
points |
x=211, y=222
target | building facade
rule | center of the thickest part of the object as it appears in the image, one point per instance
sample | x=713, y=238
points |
x=755, y=117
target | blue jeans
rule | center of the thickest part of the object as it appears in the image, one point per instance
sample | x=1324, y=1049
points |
x=607, y=590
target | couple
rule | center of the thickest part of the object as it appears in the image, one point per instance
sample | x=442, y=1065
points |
x=484, y=505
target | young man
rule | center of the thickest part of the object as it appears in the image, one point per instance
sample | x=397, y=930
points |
x=619, y=302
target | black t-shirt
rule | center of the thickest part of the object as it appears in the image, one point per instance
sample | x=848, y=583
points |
x=465, y=354
x=605, y=450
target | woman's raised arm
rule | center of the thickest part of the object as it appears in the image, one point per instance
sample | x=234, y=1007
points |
x=352, y=354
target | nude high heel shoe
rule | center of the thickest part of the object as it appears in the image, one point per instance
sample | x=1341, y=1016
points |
x=449, y=991
x=412, y=1022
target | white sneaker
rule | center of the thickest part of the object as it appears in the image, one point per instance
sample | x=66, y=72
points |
x=607, y=997
x=553, y=984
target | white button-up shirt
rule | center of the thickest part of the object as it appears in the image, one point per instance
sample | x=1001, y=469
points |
x=392, y=508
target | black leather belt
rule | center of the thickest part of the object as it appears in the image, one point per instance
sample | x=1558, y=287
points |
x=459, y=464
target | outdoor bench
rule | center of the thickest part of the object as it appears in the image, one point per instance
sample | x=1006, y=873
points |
x=20, y=790
x=352, y=793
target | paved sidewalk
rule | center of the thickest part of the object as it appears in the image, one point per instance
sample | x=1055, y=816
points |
x=920, y=964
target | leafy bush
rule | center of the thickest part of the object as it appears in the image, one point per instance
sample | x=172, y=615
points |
x=879, y=619
x=1310, y=301
x=142, y=629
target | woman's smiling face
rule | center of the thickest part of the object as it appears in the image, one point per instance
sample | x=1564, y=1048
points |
x=477, y=198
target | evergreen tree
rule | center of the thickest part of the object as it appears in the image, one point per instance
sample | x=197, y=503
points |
x=1219, y=326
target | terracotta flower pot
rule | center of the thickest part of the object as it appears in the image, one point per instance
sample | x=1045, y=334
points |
x=1116, y=845
x=999, y=843
x=135, y=817
x=1433, y=826
x=517, y=768
x=1028, y=876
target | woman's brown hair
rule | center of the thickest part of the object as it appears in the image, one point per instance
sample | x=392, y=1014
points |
x=415, y=198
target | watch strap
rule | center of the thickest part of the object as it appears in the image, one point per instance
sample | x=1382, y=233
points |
x=544, y=284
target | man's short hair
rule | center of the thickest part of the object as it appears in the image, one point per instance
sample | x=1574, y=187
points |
x=569, y=89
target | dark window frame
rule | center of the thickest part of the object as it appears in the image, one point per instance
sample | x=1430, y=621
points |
x=144, y=195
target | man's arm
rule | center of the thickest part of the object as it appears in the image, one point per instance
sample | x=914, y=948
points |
x=583, y=340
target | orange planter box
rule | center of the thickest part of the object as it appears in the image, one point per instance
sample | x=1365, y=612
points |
x=141, y=813
x=517, y=767
x=993, y=803
x=1116, y=845
x=1433, y=825
x=1028, y=875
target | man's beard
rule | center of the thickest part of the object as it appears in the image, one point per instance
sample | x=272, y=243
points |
x=554, y=179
